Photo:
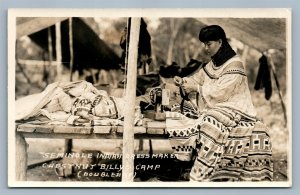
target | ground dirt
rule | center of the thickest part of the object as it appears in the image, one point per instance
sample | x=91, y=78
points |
x=168, y=169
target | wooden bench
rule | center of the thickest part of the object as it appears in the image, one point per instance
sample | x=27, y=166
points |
x=150, y=130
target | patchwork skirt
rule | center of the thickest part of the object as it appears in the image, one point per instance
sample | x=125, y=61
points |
x=222, y=153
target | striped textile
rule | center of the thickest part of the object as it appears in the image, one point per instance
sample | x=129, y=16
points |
x=221, y=153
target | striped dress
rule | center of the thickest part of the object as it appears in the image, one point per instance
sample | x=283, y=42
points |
x=226, y=142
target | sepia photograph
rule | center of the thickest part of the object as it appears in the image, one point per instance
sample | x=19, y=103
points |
x=149, y=97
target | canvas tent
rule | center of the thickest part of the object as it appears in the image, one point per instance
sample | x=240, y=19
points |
x=259, y=33
x=89, y=50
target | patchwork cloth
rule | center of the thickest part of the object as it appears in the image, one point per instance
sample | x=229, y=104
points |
x=241, y=152
x=73, y=102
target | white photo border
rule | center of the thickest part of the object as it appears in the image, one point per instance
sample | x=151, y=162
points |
x=141, y=12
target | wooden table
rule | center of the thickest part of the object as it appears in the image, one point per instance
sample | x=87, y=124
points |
x=151, y=130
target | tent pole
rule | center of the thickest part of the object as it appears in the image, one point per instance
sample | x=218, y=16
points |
x=50, y=48
x=71, y=48
x=128, y=136
x=278, y=87
x=50, y=55
x=69, y=142
x=59, y=67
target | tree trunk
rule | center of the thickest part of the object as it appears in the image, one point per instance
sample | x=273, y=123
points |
x=174, y=28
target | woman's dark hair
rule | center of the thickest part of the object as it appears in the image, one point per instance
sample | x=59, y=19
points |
x=212, y=33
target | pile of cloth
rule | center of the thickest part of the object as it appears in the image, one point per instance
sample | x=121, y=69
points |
x=72, y=103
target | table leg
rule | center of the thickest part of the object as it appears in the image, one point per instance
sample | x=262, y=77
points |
x=21, y=157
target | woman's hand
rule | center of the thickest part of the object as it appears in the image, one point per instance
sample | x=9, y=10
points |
x=188, y=88
x=178, y=81
x=185, y=86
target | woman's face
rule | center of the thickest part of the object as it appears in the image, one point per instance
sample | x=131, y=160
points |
x=212, y=47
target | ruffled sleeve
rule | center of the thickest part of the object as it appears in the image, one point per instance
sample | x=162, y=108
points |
x=220, y=90
x=195, y=79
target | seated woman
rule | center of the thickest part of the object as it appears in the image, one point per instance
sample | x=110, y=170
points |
x=229, y=142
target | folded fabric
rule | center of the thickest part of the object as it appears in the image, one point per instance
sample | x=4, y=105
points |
x=106, y=122
x=29, y=106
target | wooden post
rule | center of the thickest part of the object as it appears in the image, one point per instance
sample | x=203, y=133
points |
x=71, y=48
x=69, y=142
x=128, y=135
x=59, y=67
x=269, y=57
x=50, y=48
x=47, y=70
x=21, y=158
